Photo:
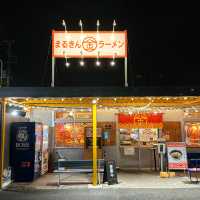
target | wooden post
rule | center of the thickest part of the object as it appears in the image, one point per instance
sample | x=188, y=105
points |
x=94, y=146
x=3, y=133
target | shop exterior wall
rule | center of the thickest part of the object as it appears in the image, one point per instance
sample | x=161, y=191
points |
x=175, y=116
x=110, y=151
x=43, y=116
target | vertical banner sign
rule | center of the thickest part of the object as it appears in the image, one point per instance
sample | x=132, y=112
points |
x=177, y=156
x=89, y=44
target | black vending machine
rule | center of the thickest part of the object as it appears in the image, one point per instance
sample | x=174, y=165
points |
x=26, y=150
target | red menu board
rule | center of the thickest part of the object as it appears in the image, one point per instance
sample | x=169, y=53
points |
x=70, y=135
x=70, y=128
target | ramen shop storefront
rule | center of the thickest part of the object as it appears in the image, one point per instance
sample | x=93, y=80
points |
x=127, y=131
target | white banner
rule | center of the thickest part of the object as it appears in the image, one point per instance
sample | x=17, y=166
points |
x=91, y=44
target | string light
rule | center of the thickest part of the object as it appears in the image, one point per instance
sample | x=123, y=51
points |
x=94, y=101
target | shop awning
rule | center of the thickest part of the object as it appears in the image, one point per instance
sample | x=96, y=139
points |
x=97, y=91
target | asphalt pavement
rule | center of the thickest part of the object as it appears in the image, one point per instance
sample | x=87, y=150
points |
x=103, y=194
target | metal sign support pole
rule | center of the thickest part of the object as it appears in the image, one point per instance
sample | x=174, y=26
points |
x=53, y=72
x=1, y=62
x=126, y=72
x=3, y=135
x=94, y=145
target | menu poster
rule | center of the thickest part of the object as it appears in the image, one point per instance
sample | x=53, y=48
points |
x=177, y=156
x=192, y=133
x=129, y=151
x=148, y=134
x=69, y=135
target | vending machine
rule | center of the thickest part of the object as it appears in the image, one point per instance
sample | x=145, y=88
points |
x=26, y=150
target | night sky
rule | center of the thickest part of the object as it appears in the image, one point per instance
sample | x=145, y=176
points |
x=163, y=42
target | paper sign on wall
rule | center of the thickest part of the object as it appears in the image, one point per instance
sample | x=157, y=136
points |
x=129, y=151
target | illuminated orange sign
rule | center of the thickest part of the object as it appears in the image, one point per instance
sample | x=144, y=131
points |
x=90, y=44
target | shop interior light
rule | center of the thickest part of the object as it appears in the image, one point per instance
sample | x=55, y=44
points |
x=14, y=113
x=62, y=99
x=80, y=99
x=71, y=113
x=25, y=109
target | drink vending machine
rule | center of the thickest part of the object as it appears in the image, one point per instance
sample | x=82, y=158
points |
x=26, y=150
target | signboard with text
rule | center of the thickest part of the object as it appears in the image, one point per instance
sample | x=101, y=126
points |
x=90, y=44
x=177, y=156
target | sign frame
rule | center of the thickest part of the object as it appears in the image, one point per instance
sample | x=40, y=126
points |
x=175, y=163
x=90, y=56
